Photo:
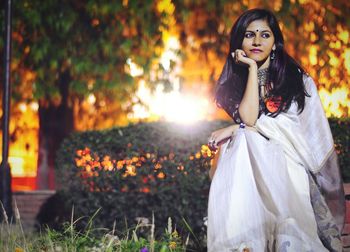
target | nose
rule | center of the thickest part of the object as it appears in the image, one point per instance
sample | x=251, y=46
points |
x=256, y=41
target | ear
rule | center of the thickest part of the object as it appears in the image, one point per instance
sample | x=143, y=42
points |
x=274, y=47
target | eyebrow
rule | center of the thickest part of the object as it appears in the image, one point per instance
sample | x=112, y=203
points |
x=260, y=31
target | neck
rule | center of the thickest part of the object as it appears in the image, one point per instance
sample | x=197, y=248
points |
x=264, y=64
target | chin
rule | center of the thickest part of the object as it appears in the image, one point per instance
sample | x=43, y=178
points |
x=259, y=59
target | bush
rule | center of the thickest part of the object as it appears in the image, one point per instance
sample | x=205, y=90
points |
x=341, y=134
x=131, y=172
x=159, y=168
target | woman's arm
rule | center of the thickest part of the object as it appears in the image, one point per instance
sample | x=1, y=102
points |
x=219, y=135
x=249, y=106
x=222, y=134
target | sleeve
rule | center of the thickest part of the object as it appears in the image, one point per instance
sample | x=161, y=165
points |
x=235, y=114
x=232, y=111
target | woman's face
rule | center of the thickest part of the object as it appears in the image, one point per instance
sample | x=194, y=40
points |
x=258, y=41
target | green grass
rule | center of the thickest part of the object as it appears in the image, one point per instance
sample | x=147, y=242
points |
x=14, y=238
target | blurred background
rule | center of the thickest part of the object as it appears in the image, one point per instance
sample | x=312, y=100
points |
x=91, y=65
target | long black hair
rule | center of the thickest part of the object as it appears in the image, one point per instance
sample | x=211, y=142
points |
x=284, y=72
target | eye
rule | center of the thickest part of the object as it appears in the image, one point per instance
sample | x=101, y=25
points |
x=249, y=35
x=265, y=35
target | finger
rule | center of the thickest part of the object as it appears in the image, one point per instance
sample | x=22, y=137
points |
x=241, y=53
x=238, y=51
x=212, y=147
x=211, y=140
x=236, y=57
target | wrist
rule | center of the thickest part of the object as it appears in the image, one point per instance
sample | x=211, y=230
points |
x=234, y=127
x=253, y=67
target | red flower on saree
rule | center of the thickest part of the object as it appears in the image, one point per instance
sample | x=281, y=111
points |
x=273, y=103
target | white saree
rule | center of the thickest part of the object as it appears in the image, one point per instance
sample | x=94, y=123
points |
x=278, y=189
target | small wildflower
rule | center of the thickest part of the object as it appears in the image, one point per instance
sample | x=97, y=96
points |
x=88, y=157
x=120, y=164
x=79, y=153
x=130, y=170
x=19, y=250
x=175, y=234
x=172, y=245
x=158, y=166
x=144, y=249
x=86, y=151
x=145, y=189
x=161, y=175
x=181, y=167
x=95, y=22
x=79, y=162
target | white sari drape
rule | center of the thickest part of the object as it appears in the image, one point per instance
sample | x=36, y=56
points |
x=271, y=194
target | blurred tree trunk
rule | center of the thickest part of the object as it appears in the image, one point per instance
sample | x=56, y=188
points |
x=55, y=123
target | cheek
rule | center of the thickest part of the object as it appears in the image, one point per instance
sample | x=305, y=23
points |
x=245, y=46
x=268, y=46
x=270, y=43
x=244, y=43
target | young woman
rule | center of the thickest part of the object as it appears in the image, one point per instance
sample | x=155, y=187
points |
x=277, y=185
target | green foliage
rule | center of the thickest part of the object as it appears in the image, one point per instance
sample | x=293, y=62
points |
x=341, y=134
x=91, y=40
x=139, y=170
x=150, y=168
x=70, y=239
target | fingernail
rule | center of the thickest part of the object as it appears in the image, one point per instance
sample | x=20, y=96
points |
x=233, y=54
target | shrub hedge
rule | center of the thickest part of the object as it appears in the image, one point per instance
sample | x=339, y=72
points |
x=138, y=170
x=341, y=135
x=159, y=168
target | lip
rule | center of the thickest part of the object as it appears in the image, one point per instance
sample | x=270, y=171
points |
x=256, y=50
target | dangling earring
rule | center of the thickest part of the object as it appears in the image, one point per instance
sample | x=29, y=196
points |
x=272, y=55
